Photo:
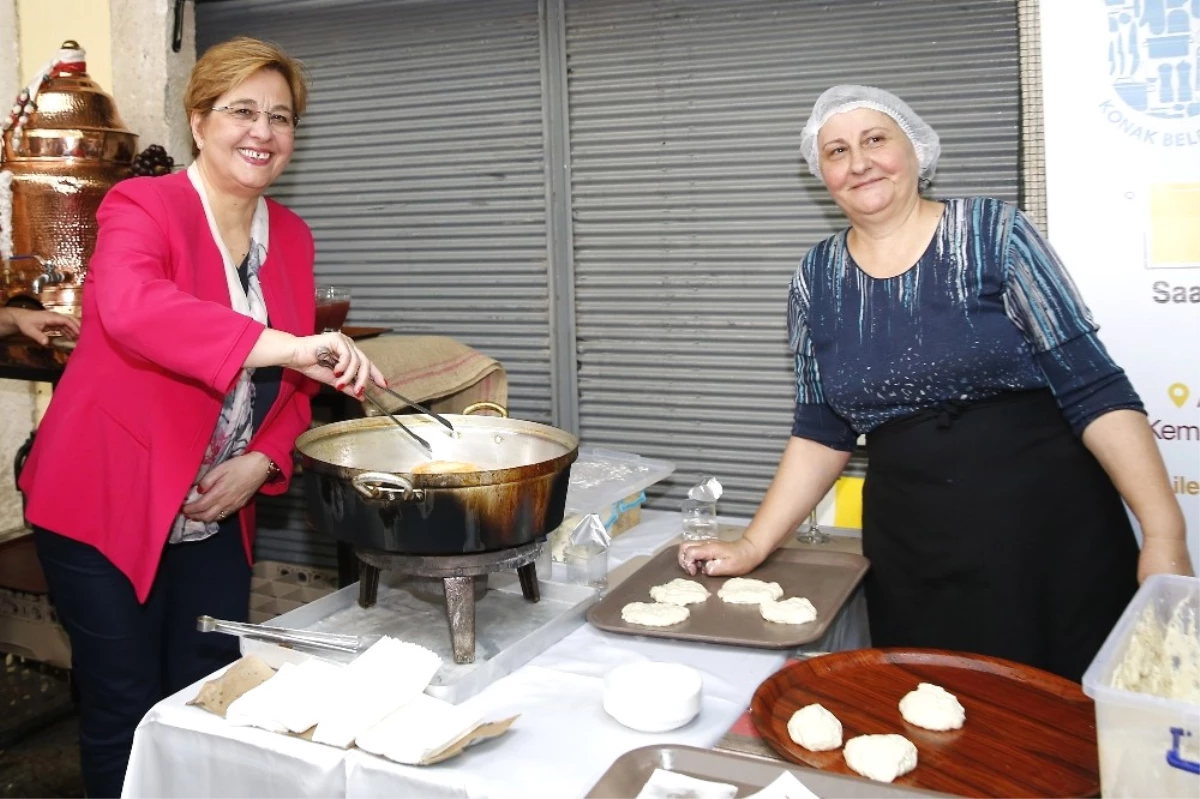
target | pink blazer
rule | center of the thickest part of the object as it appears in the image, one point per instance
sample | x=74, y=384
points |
x=160, y=347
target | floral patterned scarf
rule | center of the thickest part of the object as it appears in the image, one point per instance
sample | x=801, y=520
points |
x=235, y=424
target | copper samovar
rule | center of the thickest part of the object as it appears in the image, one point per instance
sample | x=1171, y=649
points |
x=65, y=146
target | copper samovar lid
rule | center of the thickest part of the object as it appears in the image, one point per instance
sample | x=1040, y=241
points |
x=65, y=114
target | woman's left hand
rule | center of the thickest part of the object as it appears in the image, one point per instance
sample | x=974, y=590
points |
x=1163, y=556
x=228, y=486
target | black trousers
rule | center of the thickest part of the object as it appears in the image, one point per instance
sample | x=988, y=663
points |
x=991, y=529
x=126, y=656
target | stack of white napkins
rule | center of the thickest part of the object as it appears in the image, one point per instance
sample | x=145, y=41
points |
x=387, y=676
x=293, y=700
x=341, y=701
x=378, y=702
x=418, y=730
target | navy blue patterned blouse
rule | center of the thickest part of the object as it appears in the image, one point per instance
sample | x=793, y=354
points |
x=988, y=308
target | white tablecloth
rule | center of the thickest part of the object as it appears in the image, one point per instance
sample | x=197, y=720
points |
x=561, y=744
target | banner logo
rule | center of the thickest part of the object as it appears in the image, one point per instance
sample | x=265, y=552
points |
x=1151, y=47
x=1153, y=70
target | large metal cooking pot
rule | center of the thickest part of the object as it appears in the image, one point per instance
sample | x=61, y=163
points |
x=361, y=488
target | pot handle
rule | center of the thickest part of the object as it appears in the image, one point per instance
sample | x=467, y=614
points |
x=386, y=486
x=485, y=406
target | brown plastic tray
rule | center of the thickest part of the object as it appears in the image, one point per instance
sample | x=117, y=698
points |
x=629, y=773
x=826, y=578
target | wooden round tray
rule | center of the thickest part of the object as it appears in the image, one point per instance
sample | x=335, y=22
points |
x=1027, y=733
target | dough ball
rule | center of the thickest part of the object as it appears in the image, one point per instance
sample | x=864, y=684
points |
x=815, y=728
x=680, y=592
x=932, y=707
x=748, y=591
x=797, y=610
x=880, y=757
x=654, y=614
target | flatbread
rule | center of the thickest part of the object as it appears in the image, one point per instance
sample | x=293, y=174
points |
x=748, y=591
x=680, y=592
x=797, y=610
x=654, y=614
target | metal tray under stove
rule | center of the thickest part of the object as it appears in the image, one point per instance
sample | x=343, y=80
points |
x=509, y=630
x=629, y=773
x=827, y=578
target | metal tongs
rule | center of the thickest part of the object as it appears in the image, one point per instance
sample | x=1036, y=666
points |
x=424, y=444
x=281, y=635
x=418, y=406
x=328, y=362
x=411, y=403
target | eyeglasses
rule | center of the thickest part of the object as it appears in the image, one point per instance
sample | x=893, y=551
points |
x=244, y=116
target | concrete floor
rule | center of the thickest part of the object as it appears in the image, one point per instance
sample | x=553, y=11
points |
x=39, y=732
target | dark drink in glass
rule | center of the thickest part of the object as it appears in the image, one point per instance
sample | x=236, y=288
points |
x=333, y=304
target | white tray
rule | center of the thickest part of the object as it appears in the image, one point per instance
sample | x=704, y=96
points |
x=509, y=630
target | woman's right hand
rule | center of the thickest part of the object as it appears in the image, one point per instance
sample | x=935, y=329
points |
x=720, y=558
x=335, y=360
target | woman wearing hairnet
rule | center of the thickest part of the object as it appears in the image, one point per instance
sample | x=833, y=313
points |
x=1002, y=437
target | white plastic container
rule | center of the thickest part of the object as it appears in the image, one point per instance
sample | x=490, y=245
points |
x=1149, y=745
x=653, y=697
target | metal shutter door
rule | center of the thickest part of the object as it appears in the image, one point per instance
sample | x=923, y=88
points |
x=419, y=166
x=692, y=207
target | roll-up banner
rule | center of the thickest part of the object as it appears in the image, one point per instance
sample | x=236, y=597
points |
x=1121, y=82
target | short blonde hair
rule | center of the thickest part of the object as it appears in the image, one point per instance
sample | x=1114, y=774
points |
x=226, y=65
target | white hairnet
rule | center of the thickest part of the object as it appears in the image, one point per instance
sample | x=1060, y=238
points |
x=839, y=99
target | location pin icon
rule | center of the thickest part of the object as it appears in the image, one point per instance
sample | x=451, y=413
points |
x=1178, y=393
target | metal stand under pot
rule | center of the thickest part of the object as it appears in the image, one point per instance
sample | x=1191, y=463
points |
x=459, y=575
x=365, y=486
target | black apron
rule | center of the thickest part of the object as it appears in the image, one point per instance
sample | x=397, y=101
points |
x=991, y=529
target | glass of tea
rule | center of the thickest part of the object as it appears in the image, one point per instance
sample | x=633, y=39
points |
x=333, y=304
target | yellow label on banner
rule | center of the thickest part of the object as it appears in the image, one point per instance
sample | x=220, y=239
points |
x=847, y=507
x=1174, y=226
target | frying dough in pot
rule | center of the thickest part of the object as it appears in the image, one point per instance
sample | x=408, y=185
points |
x=748, y=591
x=932, y=707
x=680, y=592
x=797, y=610
x=881, y=757
x=654, y=614
x=444, y=467
x=815, y=728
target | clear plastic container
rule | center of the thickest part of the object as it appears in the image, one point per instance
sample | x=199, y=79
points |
x=587, y=565
x=1149, y=745
x=609, y=483
x=586, y=553
x=699, y=520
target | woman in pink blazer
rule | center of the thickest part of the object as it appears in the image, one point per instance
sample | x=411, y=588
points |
x=173, y=411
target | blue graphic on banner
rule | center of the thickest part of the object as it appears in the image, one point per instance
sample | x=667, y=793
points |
x=1154, y=55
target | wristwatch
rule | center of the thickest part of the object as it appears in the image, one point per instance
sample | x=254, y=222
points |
x=273, y=471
